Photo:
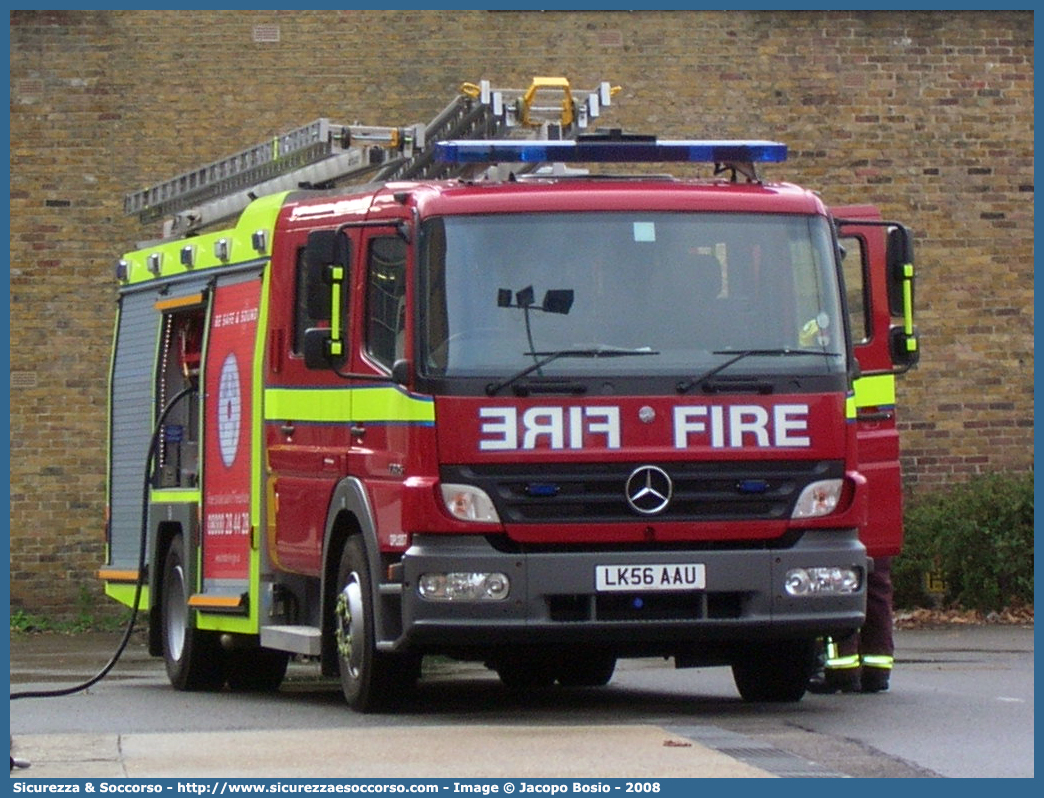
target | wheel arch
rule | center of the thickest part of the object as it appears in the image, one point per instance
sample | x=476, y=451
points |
x=350, y=514
x=165, y=532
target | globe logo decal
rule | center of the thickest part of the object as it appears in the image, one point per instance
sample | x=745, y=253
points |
x=229, y=410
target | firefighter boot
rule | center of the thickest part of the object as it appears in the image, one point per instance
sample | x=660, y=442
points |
x=818, y=676
x=876, y=670
x=875, y=680
x=838, y=672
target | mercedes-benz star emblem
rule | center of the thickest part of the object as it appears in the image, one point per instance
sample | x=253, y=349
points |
x=648, y=490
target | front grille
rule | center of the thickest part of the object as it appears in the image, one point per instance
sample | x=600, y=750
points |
x=595, y=492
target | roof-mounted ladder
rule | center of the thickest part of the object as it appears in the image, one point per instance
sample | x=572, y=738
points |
x=322, y=153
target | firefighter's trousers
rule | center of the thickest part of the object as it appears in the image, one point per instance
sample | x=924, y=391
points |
x=863, y=661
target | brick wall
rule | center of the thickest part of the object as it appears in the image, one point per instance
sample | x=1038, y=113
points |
x=927, y=114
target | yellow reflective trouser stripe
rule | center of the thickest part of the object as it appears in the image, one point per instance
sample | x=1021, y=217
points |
x=347, y=404
x=878, y=661
x=842, y=663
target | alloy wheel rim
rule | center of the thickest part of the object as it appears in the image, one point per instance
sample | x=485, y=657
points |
x=350, y=630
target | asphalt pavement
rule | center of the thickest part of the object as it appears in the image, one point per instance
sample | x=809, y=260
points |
x=49, y=661
x=602, y=750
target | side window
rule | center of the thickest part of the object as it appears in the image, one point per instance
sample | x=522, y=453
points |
x=854, y=268
x=302, y=319
x=385, y=299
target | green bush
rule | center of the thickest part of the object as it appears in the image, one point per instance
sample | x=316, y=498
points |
x=978, y=536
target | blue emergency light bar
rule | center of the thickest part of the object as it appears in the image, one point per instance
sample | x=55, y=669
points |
x=609, y=150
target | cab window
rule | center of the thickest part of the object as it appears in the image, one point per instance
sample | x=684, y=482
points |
x=853, y=267
x=385, y=299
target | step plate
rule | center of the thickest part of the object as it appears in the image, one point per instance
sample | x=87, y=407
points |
x=298, y=639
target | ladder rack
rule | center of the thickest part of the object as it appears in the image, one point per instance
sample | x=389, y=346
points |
x=312, y=154
x=322, y=153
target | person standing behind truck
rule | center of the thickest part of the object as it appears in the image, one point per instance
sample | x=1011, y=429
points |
x=862, y=662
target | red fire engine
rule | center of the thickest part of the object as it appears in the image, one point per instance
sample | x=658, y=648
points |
x=493, y=407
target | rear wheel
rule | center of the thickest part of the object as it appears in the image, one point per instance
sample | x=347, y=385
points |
x=776, y=671
x=371, y=681
x=194, y=658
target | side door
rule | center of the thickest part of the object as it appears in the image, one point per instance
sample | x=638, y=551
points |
x=307, y=413
x=229, y=442
x=865, y=268
x=384, y=411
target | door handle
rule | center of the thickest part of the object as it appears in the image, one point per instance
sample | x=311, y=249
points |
x=874, y=415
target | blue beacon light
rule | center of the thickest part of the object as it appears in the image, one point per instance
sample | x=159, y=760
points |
x=610, y=150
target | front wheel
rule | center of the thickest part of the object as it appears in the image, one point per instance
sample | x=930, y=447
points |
x=371, y=681
x=776, y=671
x=522, y=671
x=587, y=669
x=194, y=658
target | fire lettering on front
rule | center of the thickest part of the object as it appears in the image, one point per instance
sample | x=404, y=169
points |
x=553, y=427
x=737, y=426
x=506, y=429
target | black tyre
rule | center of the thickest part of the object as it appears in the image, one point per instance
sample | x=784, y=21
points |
x=194, y=658
x=587, y=669
x=256, y=670
x=371, y=681
x=776, y=671
x=525, y=672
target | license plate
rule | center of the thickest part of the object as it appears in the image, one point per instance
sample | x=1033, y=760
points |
x=641, y=578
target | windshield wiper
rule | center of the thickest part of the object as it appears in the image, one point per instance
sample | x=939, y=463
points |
x=685, y=386
x=543, y=358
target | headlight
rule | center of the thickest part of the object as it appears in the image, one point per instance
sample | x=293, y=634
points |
x=464, y=587
x=818, y=498
x=830, y=580
x=469, y=503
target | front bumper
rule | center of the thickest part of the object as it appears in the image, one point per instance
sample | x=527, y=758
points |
x=553, y=597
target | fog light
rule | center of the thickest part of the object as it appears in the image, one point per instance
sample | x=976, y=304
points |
x=821, y=581
x=464, y=587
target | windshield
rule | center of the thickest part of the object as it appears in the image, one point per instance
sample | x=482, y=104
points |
x=501, y=293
